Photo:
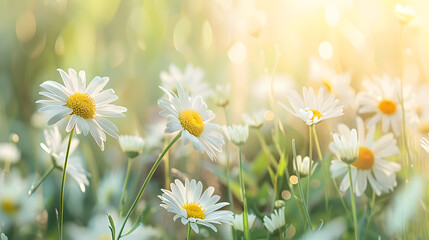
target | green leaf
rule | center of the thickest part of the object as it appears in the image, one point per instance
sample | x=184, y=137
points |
x=136, y=225
x=112, y=227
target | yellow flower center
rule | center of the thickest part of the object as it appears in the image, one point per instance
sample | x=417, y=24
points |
x=192, y=121
x=9, y=206
x=365, y=159
x=315, y=114
x=387, y=106
x=194, y=210
x=82, y=105
x=327, y=84
x=424, y=127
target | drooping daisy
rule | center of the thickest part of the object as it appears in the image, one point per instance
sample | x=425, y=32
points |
x=16, y=208
x=190, y=79
x=303, y=167
x=86, y=108
x=188, y=204
x=9, y=152
x=237, y=222
x=222, y=94
x=276, y=221
x=191, y=116
x=370, y=165
x=335, y=83
x=237, y=134
x=313, y=108
x=345, y=145
x=56, y=146
x=256, y=119
x=131, y=145
x=404, y=14
x=382, y=98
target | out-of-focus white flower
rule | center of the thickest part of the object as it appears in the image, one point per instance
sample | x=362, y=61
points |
x=276, y=221
x=334, y=83
x=56, y=146
x=110, y=190
x=3, y=236
x=425, y=144
x=97, y=230
x=256, y=119
x=237, y=222
x=404, y=14
x=86, y=108
x=131, y=145
x=188, y=204
x=9, y=152
x=222, y=94
x=313, y=109
x=382, y=98
x=346, y=144
x=370, y=165
x=190, y=80
x=303, y=165
x=16, y=208
x=191, y=116
x=237, y=134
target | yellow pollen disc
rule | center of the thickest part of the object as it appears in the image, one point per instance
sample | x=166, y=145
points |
x=192, y=121
x=9, y=206
x=315, y=114
x=194, y=210
x=424, y=127
x=365, y=159
x=82, y=105
x=387, y=106
x=327, y=84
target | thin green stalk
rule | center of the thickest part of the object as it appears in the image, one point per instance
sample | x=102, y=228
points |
x=243, y=198
x=228, y=121
x=37, y=185
x=301, y=193
x=167, y=169
x=63, y=182
x=124, y=189
x=352, y=194
x=319, y=152
x=188, y=236
x=310, y=155
x=146, y=181
x=371, y=213
x=267, y=151
x=341, y=198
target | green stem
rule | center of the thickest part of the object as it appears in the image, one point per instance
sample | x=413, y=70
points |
x=124, y=189
x=301, y=193
x=352, y=194
x=319, y=152
x=188, y=236
x=310, y=155
x=243, y=198
x=371, y=213
x=167, y=169
x=63, y=182
x=45, y=175
x=228, y=121
x=146, y=181
x=341, y=198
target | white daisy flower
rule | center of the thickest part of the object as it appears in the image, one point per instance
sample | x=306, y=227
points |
x=190, y=79
x=188, y=204
x=3, y=236
x=261, y=88
x=9, y=152
x=256, y=119
x=86, y=108
x=109, y=190
x=425, y=144
x=336, y=84
x=16, y=208
x=404, y=14
x=191, y=116
x=236, y=134
x=276, y=221
x=56, y=146
x=370, y=165
x=303, y=165
x=346, y=144
x=222, y=94
x=313, y=108
x=382, y=98
x=131, y=145
x=237, y=222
